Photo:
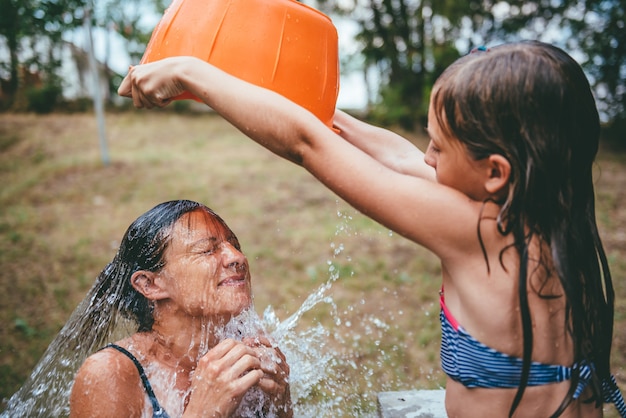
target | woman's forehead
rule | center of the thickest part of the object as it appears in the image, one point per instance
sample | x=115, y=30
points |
x=198, y=224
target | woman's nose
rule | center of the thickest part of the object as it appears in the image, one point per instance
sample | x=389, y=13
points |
x=232, y=256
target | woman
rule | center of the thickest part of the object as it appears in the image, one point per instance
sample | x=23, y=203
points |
x=181, y=276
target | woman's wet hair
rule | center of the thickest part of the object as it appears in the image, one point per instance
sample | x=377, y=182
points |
x=111, y=310
x=142, y=248
x=531, y=103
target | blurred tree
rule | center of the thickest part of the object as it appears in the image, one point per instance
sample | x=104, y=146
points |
x=32, y=30
x=12, y=31
x=133, y=21
x=594, y=31
x=33, y=36
x=409, y=43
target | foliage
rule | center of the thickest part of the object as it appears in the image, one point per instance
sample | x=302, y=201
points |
x=404, y=42
x=27, y=24
x=126, y=18
x=409, y=42
x=43, y=99
x=594, y=31
x=33, y=34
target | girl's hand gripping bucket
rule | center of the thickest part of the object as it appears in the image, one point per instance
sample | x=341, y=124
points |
x=281, y=45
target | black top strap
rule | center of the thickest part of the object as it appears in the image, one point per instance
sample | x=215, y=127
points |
x=157, y=410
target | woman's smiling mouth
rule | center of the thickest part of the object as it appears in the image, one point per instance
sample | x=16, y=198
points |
x=233, y=281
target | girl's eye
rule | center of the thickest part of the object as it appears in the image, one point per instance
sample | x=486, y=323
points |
x=433, y=148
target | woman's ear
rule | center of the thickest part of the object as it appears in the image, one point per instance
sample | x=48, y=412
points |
x=147, y=283
x=499, y=175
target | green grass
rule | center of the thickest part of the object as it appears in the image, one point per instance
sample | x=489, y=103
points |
x=62, y=214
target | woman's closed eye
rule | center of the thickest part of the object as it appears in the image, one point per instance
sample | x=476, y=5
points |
x=205, y=246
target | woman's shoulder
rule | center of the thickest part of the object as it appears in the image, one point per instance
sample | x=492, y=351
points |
x=108, y=360
x=109, y=367
x=107, y=379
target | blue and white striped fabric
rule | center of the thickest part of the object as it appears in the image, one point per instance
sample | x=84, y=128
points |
x=474, y=364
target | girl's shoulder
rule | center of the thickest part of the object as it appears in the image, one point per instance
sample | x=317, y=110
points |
x=472, y=235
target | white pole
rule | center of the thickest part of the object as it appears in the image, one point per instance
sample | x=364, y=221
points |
x=97, y=93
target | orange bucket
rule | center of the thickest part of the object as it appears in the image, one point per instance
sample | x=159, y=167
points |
x=281, y=45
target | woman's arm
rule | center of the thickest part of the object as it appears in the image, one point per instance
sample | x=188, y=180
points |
x=385, y=146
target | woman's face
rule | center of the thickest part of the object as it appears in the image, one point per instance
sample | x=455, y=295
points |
x=205, y=273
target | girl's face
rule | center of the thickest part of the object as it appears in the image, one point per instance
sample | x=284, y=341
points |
x=453, y=165
x=205, y=272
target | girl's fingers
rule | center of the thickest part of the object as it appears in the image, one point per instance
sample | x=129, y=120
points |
x=126, y=87
x=150, y=85
x=136, y=96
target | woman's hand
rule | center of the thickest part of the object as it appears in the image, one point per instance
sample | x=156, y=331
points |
x=222, y=378
x=154, y=84
x=275, y=381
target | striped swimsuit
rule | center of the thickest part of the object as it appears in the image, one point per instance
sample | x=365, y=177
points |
x=475, y=365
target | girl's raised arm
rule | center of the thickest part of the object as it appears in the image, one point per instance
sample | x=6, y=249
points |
x=387, y=147
x=412, y=205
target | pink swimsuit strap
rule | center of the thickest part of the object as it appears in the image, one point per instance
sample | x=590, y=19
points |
x=446, y=312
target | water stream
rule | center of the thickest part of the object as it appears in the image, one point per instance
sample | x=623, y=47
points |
x=317, y=387
x=314, y=381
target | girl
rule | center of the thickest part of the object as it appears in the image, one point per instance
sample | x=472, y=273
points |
x=503, y=196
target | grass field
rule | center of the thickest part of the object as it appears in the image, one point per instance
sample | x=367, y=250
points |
x=62, y=214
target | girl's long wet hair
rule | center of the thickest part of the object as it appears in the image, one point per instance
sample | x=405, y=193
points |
x=531, y=103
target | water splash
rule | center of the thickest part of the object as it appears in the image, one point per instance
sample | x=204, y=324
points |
x=311, y=360
x=318, y=387
x=46, y=391
x=307, y=353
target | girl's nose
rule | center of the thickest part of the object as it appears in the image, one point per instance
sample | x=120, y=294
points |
x=429, y=157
